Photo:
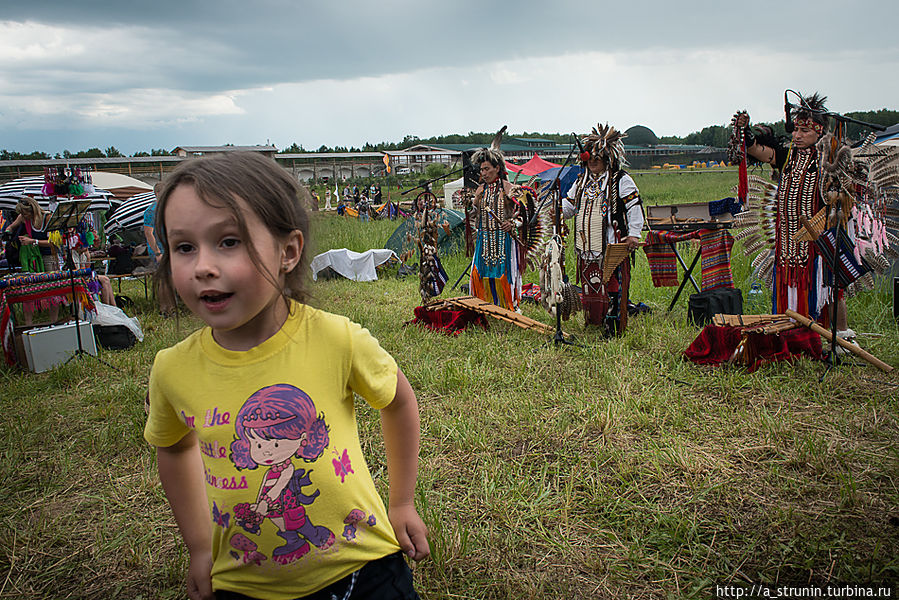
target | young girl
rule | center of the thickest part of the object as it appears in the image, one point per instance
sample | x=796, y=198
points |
x=253, y=416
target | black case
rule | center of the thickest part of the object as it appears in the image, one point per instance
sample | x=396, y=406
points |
x=114, y=337
x=704, y=305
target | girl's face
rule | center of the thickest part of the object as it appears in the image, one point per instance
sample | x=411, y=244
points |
x=272, y=452
x=214, y=274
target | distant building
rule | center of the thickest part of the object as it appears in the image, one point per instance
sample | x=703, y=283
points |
x=192, y=151
x=513, y=148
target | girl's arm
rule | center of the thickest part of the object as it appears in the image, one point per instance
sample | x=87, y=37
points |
x=400, y=425
x=181, y=473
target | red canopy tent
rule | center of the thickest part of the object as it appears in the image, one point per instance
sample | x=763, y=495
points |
x=532, y=167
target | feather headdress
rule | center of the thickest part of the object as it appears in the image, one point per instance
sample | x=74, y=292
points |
x=811, y=108
x=493, y=154
x=607, y=143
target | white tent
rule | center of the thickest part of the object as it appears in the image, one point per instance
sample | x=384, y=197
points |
x=113, y=181
x=449, y=189
x=121, y=186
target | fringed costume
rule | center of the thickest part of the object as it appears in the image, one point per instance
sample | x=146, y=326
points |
x=816, y=184
x=607, y=209
x=498, y=266
x=500, y=257
x=798, y=278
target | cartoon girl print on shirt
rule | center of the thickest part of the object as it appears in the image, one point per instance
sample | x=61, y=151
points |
x=275, y=425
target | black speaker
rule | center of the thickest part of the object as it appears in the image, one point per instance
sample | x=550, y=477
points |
x=896, y=297
x=471, y=172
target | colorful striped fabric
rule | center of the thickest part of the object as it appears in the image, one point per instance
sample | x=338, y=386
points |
x=662, y=266
x=42, y=277
x=714, y=245
x=848, y=269
x=491, y=289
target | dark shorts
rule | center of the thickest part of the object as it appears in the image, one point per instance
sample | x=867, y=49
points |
x=387, y=578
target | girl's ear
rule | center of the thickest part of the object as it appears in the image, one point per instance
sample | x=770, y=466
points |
x=292, y=251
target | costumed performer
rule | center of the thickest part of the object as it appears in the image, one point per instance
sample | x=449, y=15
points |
x=607, y=208
x=798, y=270
x=499, y=256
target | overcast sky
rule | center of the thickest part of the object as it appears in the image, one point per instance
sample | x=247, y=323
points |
x=143, y=75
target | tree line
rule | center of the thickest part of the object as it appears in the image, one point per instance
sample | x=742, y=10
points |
x=111, y=152
x=714, y=135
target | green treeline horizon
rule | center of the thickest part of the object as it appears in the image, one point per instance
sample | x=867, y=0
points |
x=714, y=135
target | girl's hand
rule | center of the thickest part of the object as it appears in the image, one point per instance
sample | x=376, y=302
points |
x=26, y=241
x=199, y=577
x=410, y=531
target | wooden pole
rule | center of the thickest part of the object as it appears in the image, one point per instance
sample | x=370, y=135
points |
x=842, y=343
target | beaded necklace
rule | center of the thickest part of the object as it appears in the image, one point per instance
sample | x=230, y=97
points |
x=795, y=198
x=492, y=216
x=592, y=191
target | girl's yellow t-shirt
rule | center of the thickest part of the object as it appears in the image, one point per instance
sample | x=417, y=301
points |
x=292, y=503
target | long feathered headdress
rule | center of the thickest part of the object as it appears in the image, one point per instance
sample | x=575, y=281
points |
x=607, y=143
x=493, y=154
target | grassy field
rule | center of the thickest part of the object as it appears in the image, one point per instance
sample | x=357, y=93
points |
x=615, y=469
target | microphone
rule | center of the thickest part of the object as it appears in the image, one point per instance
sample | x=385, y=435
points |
x=583, y=154
x=788, y=118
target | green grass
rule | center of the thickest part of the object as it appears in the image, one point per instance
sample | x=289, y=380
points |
x=615, y=469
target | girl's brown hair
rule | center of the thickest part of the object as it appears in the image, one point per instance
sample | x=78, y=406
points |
x=268, y=190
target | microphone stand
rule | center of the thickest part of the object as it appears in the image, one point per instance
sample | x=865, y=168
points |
x=67, y=215
x=833, y=360
x=559, y=337
x=836, y=116
x=554, y=183
x=426, y=185
x=465, y=217
x=556, y=188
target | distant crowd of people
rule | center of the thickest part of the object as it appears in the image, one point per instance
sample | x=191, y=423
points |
x=362, y=200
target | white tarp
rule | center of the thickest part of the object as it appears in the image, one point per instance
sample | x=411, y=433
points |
x=357, y=266
x=449, y=188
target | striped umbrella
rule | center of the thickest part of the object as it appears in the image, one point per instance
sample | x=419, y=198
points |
x=130, y=214
x=12, y=191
